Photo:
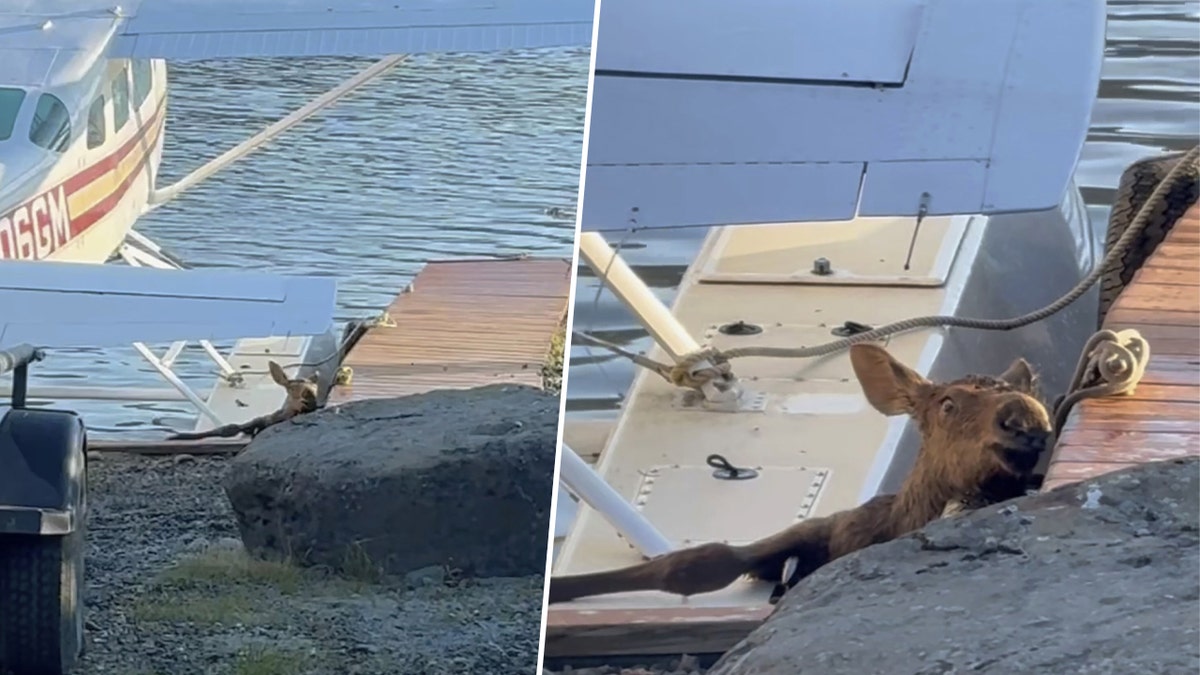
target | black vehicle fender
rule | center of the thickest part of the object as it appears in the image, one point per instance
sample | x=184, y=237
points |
x=42, y=456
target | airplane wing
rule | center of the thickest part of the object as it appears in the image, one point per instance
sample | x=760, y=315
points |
x=208, y=29
x=710, y=112
x=55, y=305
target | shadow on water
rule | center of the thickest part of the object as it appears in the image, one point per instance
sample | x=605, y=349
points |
x=1149, y=102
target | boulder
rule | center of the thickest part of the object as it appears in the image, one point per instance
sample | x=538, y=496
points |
x=1098, y=577
x=460, y=478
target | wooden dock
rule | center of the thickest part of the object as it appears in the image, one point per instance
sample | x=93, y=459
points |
x=1161, y=419
x=462, y=324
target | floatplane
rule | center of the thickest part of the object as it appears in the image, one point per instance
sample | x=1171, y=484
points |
x=83, y=96
x=852, y=173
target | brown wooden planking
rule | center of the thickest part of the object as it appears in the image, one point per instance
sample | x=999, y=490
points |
x=1161, y=298
x=1092, y=445
x=407, y=386
x=1176, y=370
x=1170, y=418
x=1157, y=331
x=1164, y=362
x=1165, y=340
x=1183, y=261
x=1133, y=317
x=1170, y=276
x=531, y=277
x=1190, y=222
x=462, y=324
x=1179, y=255
x=207, y=446
x=1173, y=347
x=383, y=373
x=660, y=631
x=1161, y=418
x=1161, y=393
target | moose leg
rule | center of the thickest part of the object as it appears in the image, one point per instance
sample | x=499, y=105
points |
x=251, y=428
x=793, y=554
x=789, y=556
x=259, y=424
x=226, y=431
x=784, y=557
x=700, y=569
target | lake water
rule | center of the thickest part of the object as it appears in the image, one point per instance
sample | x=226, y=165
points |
x=1149, y=101
x=446, y=156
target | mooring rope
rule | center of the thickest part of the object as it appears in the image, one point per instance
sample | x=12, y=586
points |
x=685, y=374
x=1112, y=363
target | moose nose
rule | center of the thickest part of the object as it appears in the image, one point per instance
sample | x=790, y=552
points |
x=1017, y=417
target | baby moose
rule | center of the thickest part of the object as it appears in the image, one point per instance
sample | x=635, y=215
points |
x=301, y=399
x=981, y=437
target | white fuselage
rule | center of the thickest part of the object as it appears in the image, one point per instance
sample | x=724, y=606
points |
x=81, y=138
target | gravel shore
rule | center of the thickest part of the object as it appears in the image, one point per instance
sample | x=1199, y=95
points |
x=170, y=591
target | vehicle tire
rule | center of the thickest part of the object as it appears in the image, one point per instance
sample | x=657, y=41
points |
x=41, y=627
x=41, y=590
x=1137, y=182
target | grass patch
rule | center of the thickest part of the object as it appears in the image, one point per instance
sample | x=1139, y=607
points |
x=226, y=586
x=219, y=586
x=357, y=566
x=164, y=606
x=265, y=661
x=552, y=371
x=222, y=567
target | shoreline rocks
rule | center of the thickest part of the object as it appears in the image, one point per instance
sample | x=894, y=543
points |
x=453, y=478
x=1097, y=577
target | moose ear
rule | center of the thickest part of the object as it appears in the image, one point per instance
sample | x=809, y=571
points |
x=1021, y=376
x=890, y=386
x=277, y=373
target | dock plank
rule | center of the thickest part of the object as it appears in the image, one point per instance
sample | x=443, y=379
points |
x=207, y=446
x=1132, y=317
x=1092, y=445
x=1183, y=275
x=1159, y=298
x=462, y=324
x=683, y=630
x=1160, y=420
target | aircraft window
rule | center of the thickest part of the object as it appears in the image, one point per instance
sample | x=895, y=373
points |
x=10, y=106
x=51, y=128
x=120, y=97
x=95, y=124
x=141, y=81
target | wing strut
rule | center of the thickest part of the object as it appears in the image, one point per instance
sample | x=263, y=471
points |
x=163, y=195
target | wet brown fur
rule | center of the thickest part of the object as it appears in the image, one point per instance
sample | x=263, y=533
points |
x=301, y=399
x=981, y=439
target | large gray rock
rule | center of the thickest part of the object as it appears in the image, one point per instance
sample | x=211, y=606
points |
x=459, y=478
x=1100, y=577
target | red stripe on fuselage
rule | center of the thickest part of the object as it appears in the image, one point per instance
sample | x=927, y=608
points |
x=35, y=229
x=80, y=223
x=113, y=159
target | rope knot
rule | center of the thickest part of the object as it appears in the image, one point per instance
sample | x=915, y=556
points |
x=1112, y=364
x=685, y=374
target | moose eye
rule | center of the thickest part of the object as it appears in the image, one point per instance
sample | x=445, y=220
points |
x=947, y=405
